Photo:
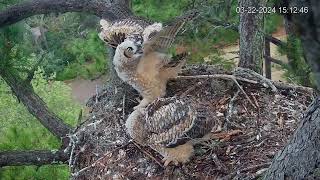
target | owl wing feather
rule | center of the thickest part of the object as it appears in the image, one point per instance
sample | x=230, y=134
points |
x=162, y=40
x=173, y=122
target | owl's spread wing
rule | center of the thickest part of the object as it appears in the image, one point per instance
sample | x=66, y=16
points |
x=173, y=121
x=163, y=39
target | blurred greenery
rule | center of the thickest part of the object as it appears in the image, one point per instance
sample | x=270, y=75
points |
x=297, y=71
x=21, y=131
x=70, y=48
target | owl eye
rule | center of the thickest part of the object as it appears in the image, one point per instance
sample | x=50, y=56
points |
x=128, y=53
x=130, y=49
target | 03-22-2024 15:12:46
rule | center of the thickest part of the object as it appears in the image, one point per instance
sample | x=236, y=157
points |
x=269, y=10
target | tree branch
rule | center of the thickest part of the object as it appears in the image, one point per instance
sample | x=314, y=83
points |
x=35, y=105
x=106, y=9
x=276, y=61
x=37, y=157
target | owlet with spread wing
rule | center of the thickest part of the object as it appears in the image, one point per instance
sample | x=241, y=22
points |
x=146, y=66
x=171, y=127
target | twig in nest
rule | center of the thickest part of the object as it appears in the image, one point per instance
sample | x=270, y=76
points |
x=123, y=107
x=255, y=101
x=235, y=81
x=148, y=154
x=251, y=168
x=224, y=76
x=97, y=94
x=225, y=136
x=190, y=89
x=76, y=174
x=230, y=110
x=218, y=163
x=71, y=155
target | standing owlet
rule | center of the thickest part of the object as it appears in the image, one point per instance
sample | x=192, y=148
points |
x=171, y=127
x=146, y=66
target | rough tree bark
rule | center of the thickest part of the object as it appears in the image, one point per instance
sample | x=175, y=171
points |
x=300, y=159
x=37, y=157
x=251, y=35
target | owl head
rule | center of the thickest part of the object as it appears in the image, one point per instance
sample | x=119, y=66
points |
x=130, y=49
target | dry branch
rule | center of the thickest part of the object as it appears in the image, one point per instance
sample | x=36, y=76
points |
x=274, y=84
x=107, y=9
x=39, y=157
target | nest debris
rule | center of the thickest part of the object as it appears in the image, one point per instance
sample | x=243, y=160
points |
x=254, y=127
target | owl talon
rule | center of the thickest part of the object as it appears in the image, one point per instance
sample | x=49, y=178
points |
x=167, y=160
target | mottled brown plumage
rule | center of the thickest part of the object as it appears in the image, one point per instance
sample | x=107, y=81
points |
x=149, y=69
x=114, y=33
x=170, y=127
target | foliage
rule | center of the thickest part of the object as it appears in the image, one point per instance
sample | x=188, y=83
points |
x=272, y=22
x=297, y=70
x=220, y=62
x=74, y=48
x=21, y=131
x=151, y=9
x=90, y=55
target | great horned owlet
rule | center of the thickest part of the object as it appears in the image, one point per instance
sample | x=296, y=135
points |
x=171, y=126
x=146, y=66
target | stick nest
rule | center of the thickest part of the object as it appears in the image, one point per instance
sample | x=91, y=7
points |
x=255, y=124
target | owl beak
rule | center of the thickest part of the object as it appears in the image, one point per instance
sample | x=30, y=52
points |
x=139, y=49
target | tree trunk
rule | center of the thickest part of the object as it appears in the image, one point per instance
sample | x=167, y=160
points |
x=251, y=36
